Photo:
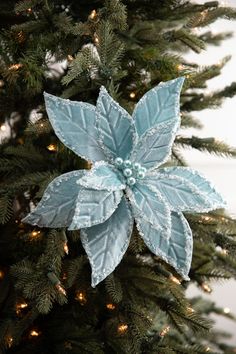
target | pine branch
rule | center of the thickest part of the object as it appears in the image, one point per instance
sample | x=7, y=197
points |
x=114, y=288
x=32, y=280
x=24, y=5
x=215, y=39
x=74, y=269
x=5, y=209
x=110, y=49
x=86, y=62
x=115, y=12
x=178, y=158
x=207, y=17
x=207, y=145
x=187, y=121
x=187, y=38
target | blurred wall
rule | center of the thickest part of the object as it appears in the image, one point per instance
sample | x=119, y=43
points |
x=221, y=124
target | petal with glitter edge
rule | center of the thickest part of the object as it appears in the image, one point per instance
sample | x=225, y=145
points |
x=57, y=206
x=154, y=146
x=177, y=250
x=75, y=125
x=94, y=207
x=116, y=128
x=161, y=104
x=190, y=191
x=105, y=244
x=103, y=176
x=148, y=204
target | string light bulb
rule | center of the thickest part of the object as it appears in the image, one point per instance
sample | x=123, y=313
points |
x=34, y=333
x=93, y=15
x=208, y=349
x=3, y=128
x=35, y=233
x=206, y=288
x=122, y=328
x=165, y=331
x=69, y=58
x=64, y=241
x=132, y=95
x=20, y=37
x=190, y=309
x=1, y=274
x=20, y=306
x=110, y=306
x=56, y=282
x=60, y=289
x=204, y=14
x=175, y=280
x=96, y=39
x=180, y=67
x=52, y=147
x=66, y=248
x=9, y=341
x=226, y=310
x=80, y=296
x=206, y=218
x=15, y=67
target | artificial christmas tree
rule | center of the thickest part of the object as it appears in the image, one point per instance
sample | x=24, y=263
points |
x=70, y=49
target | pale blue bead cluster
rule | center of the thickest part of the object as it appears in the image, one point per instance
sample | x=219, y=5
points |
x=132, y=171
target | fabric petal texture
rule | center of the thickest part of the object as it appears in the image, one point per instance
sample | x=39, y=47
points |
x=159, y=105
x=94, y=207
x=115, y=127
x=105, y=244
x=75, y=125
x=177, y=250
x=103, y=176
x=57, y=206
x=149, y=205
x=200, y=195
x=154, y=146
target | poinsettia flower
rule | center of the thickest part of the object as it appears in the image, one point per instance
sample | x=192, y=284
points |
x=125, y=182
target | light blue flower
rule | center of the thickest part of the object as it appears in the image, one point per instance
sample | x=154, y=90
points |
x=124, y=183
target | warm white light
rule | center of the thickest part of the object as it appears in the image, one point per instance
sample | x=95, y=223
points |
x=93, y=14
x=180, y=67
x=165, y=331
x=51, y=147
x=226, y=310
x=66, y=248
x=122, y=328
x=132, y=95
x=34, y=333
x=110, y=306
x=175, y=280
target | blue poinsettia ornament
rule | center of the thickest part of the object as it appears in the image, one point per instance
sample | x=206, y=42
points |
x=125, y=183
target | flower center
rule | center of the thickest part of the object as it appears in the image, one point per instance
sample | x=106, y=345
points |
x=132, y=171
